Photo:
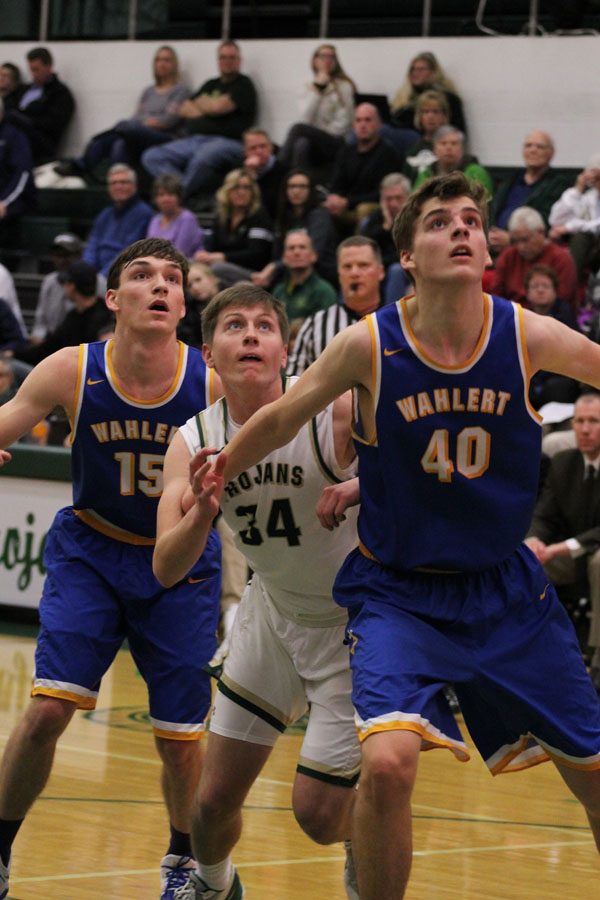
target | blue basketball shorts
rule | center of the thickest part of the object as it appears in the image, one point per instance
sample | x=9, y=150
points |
x=503, y=640
x=99, y=592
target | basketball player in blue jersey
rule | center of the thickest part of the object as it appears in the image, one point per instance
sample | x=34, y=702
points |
x=441, y=589
x=125, y=399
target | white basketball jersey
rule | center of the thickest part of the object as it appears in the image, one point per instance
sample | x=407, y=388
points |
x=271, y=511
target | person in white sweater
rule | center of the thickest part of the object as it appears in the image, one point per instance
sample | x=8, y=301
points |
x=575, y=217
x=326, y=110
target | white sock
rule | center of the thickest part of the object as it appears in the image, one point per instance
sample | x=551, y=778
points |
x=219, y=876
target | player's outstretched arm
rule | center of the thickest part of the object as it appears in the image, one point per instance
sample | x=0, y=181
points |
x=51, y=383
x=553, y=347
x=344, y=364
x=181, y=536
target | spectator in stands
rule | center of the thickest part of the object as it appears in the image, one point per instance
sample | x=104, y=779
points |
x=300, y=208
x=173, y=222
x=155, y=121
x=8, y=293
x=10, y=84
x=53, y=304
x=425, y=73
x=431, y=112
x=17, y=189
x=84, y=323
x=326, y=109
x=449, y=149
x=216, y=117
x=393, y=194
x=260, y=161
x=44, y=107
x=359, y=168
x=242, y=239
x=360, y=273
x=565, y=531
x=202, y=285
x=12, y=336
x=530, y=247
x=12, y=375
x=126, y=219
x=541, y=296
x=575, y=218
x=537, y=186
x=300, y=288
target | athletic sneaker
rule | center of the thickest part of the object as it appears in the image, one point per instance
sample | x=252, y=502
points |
x=174, y=873
x=196, y=889
x=350, y=882
x=3, y=879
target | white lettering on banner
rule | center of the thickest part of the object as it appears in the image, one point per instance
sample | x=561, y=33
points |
x=27, y=508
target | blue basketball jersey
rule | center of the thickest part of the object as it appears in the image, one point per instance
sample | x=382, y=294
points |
x=450, y=477
x=119, y=442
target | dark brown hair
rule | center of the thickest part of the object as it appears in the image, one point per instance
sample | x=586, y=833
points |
x=442, y=187
x=146, y=247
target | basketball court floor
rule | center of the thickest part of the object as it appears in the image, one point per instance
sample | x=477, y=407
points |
x=99, y=829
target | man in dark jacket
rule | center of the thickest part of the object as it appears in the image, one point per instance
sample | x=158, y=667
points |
x=359, y=168
x=565, y=531
x=537, y=185
x=17, y=189
x=84, y=323
x=44, y=108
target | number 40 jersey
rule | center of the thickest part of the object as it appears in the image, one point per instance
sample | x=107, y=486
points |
x=271, y=511
x=450, y=478
x=119, y=442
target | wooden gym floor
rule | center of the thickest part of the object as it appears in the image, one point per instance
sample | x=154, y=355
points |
x=99, y=830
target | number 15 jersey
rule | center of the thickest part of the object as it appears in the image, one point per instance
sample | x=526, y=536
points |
x=449, y=479
x=119, y=442
x=271, y=511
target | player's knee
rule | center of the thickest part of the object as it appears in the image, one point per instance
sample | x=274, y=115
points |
x=177, y=754
x=388, y=776
x=215, y=801
x=318, y=819
x=46, y=718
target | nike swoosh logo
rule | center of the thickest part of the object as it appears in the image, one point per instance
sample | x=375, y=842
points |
x=543, y=594
x=196, y=580
x=97, y=381
x=387, y=352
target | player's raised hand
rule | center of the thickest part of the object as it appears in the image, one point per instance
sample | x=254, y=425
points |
x=206, y=481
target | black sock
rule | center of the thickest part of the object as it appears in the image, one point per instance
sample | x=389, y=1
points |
x=180, y=843
x=8, y=832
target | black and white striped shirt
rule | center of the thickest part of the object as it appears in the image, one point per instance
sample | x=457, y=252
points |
x=316, y=332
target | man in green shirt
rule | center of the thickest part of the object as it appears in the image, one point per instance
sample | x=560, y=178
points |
x=301, y=290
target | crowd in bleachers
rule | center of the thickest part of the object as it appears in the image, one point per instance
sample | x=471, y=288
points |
x=197, y=168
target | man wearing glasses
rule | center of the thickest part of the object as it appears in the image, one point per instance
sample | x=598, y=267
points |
x=119, y=224
x=537, y=186
x=216, y=117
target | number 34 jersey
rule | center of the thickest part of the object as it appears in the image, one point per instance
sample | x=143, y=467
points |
x=119, y=442
x=450, y=477
x=271, y=511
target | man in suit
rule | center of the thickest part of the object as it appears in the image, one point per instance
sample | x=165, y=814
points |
x=565, y=531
